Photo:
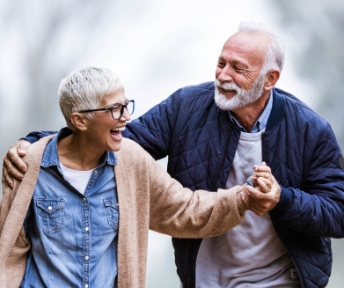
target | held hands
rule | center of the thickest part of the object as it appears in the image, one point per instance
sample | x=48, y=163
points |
x=13, y=165
x=265, y=193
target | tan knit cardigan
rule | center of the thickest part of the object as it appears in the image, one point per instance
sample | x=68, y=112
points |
x=148, y=199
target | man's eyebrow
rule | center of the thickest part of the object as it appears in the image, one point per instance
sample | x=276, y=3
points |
x=235, y=61
x=243, y=63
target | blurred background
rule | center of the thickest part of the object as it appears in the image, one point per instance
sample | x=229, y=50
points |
x=157, y=47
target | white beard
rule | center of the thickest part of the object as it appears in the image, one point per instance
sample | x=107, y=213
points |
x=242, y=97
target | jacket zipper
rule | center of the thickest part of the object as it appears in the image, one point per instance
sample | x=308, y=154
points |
x=286, y=246
x=263, y=147
x=222, y=163
x=213, y=189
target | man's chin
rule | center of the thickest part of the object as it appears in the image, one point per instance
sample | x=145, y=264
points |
x=225, y=104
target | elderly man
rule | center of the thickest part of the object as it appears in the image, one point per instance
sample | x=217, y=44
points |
x=213, y=133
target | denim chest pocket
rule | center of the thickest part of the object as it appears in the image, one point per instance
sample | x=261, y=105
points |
x=50, y=214
x=112, y=212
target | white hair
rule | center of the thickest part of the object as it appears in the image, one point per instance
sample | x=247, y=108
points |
x=84, y=90
x=274, y=58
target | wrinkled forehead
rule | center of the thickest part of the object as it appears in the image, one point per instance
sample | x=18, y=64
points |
x=252, y=46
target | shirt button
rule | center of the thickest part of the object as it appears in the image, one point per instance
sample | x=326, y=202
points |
x=86, y=257
x=85, y=199
x=86, y=285
x=49, y=208
x=95, y=171
x=87, y=228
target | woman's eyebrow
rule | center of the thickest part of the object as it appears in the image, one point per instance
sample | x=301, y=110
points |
x=111, y=105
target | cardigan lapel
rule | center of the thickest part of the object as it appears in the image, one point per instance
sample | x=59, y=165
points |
x=17, y=211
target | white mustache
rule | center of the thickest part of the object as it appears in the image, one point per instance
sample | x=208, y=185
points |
x=227, y=85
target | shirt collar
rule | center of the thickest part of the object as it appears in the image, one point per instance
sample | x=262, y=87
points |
x=51, y=158
x=262, y=121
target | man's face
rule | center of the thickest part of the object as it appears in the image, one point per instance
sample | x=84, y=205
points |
x=241, y=98
x=238, y=78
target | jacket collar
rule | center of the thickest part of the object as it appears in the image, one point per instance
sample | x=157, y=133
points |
x=261, y=121
x=277, y=111
x=276, y=114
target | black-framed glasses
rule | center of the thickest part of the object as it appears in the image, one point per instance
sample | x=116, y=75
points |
x=116, y=110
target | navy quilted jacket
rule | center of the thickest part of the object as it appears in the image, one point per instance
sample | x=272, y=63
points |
x=298, y=145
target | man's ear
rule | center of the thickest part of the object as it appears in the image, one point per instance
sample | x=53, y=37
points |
x=271, y=79
x=79, y=121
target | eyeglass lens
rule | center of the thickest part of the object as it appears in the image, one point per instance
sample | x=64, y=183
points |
x=118, y=110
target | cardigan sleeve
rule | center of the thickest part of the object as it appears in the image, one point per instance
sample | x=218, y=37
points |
x=179, y=212
x=171, y=208
x=13, y=249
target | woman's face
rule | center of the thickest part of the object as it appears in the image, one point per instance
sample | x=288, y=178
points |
x=102, y=130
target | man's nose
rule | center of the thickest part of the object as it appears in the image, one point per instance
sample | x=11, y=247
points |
x=225, y=74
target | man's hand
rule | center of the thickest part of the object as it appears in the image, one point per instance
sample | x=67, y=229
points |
x=13, y=165
x=264, y=172
x=265, y=195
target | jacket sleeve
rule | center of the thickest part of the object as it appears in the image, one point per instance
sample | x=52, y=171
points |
x=181, y=213
x=318, y=207
x=153, y=130
x=34, y=136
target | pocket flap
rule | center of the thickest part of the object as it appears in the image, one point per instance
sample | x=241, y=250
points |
x=111, y=202
x=50, y=205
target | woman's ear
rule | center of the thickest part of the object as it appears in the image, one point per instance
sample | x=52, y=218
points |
x=271, y=79
x=79, y=121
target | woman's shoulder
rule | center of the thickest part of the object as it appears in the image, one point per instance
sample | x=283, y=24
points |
x=131, y=152
x=36, y=149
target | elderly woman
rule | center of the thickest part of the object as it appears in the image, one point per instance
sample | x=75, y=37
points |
x=81, y=215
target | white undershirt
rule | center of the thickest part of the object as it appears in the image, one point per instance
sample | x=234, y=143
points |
x=78, y=179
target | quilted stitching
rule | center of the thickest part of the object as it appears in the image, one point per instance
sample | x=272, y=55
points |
x=198, y=147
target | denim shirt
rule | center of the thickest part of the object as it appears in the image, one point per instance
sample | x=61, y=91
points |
x=261, y=122
x=73, y=236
